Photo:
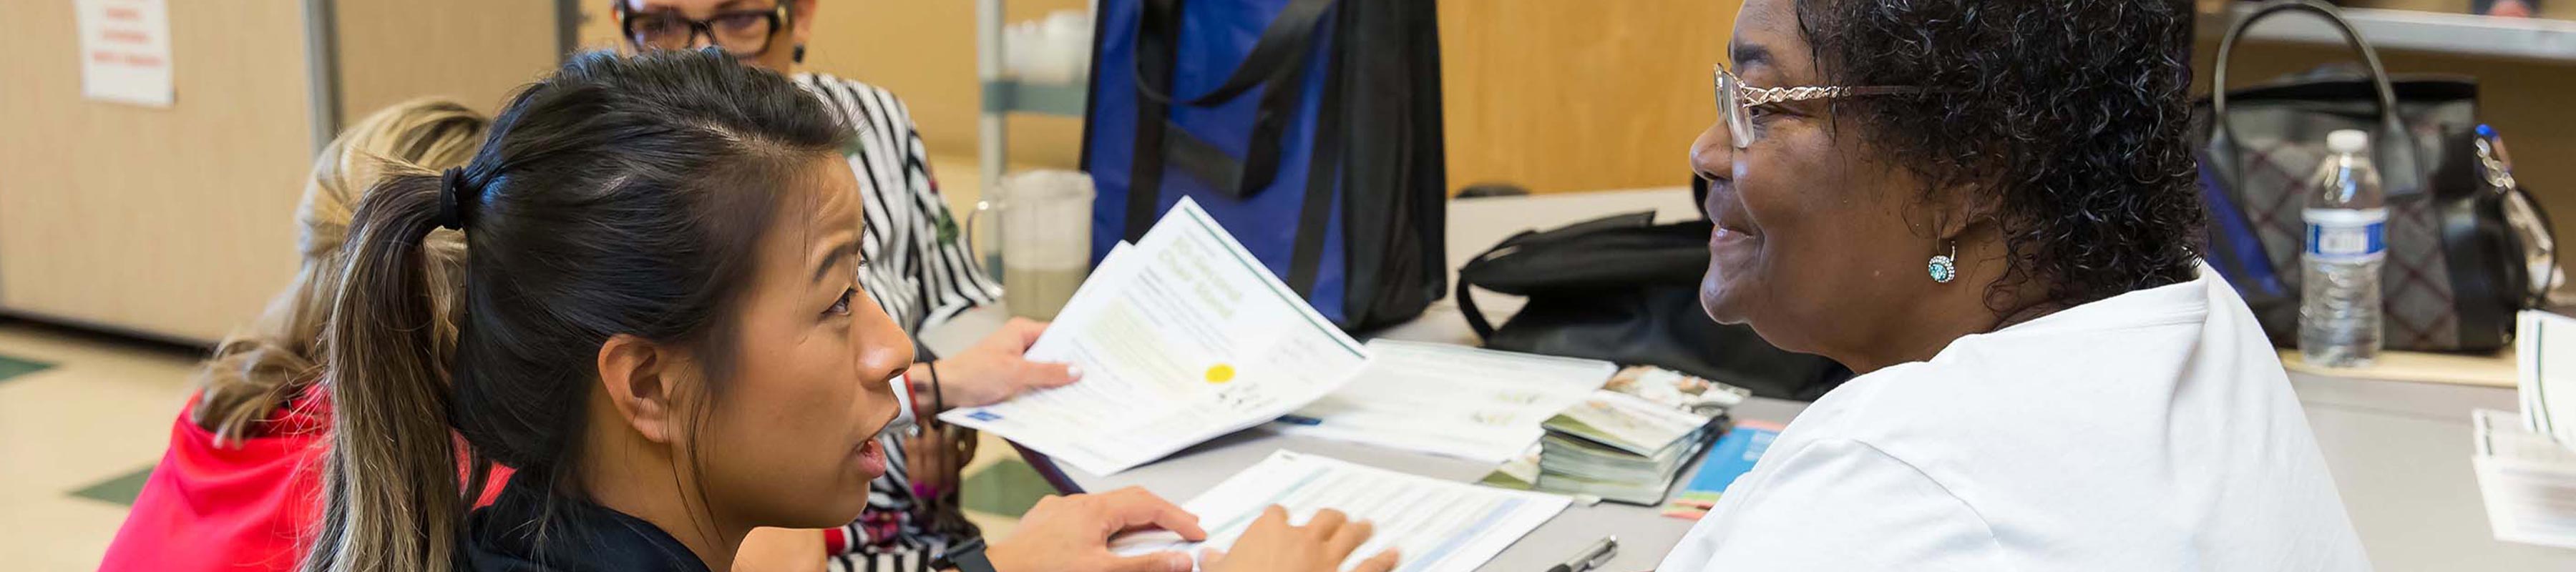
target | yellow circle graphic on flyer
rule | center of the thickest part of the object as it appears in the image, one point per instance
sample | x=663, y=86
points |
x=1220, y=373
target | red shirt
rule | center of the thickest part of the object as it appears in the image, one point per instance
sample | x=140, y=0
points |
x=234, y=507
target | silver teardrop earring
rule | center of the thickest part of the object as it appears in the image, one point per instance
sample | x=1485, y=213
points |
x=1945, y=267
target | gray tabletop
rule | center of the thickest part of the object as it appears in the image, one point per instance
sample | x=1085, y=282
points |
x=2399, y=451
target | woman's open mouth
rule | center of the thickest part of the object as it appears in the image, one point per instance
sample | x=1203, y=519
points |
x=872, y=457
x=870, y=453
x=1727, y=233
x=1726, y=220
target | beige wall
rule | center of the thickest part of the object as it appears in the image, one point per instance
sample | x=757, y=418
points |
x=474, y=51
x=172, y=221
x=180, y=222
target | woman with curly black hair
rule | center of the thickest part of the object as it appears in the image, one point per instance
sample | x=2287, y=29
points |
x=1987, y=209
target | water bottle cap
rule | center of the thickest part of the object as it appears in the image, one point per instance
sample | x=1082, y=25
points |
x=2348, y=141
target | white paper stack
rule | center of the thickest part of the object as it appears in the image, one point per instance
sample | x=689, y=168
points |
x=2528, y=480
x=1475, y=404
x=2525, y=464
x=1620, y=447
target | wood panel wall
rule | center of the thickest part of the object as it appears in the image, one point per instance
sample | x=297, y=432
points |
x=1575, y=96
x=170, y=221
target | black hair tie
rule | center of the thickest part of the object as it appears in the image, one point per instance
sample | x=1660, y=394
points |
x=452, y=199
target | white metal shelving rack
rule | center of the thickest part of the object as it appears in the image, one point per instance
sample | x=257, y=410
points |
x=2535, y=39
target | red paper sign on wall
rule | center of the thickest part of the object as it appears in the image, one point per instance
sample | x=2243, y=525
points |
x=125, y=51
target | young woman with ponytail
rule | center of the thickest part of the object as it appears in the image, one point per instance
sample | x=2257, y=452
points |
x=925, y=275
x=235, y=490
x=662, y=327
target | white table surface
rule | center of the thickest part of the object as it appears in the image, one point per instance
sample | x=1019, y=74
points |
x=2399, y=451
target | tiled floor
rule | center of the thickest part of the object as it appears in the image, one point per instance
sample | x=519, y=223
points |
x=100, y=412
x=83, y=420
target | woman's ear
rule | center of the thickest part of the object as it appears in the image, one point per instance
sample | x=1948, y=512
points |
x=640, y=379
x=1960, y=204
x=617, y=21
x=802, y=30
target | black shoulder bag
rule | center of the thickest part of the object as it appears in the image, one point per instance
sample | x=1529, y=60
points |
x=2467, y=247
x=1626, y=290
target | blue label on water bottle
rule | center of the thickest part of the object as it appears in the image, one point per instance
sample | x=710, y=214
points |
x=2347, y=235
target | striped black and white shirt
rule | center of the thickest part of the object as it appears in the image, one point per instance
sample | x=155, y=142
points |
x=919, y=267
x=920, y=271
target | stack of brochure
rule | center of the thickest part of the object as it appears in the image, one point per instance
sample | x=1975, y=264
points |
x=1729, y=459
x=2545, y=364
x=1476, y=404
x=2529, y=482
x=1627, y=442
x=2525, y=464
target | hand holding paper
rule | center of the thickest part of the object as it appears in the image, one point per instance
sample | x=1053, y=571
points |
x=1181, y=338
x=998, y=368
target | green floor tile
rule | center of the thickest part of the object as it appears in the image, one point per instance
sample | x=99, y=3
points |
x=1007, y=488
x=120, y=489
x=13, y=367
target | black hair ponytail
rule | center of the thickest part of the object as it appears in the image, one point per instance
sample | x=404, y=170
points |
x=619, y=196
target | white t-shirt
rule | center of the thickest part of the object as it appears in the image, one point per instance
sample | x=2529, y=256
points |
x=2154, y=430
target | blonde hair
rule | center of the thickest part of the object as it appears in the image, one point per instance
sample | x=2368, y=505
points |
x=256, y=370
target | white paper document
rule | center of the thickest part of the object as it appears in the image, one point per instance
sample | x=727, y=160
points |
x=1458, y=401
x=1435, y=525
x=1182, y=338
x=2527, y=480
x=2545, y=352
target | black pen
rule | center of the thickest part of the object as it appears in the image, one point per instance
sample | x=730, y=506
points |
x=1591, y=557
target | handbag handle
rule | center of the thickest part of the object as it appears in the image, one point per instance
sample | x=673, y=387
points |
x=2389, y=127
x=1279, y=52
x=1275, y=61
x=1471, y=274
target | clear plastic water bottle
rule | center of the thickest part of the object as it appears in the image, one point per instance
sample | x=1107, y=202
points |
x=2347, y=217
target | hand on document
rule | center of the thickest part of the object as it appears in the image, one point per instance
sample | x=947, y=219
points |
x=998, y=368
x=1273, y=545
x=1072, y=534
x=1440, y=525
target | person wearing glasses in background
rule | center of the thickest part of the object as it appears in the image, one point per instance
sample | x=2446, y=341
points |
x=1987, y=209
x=918, y=267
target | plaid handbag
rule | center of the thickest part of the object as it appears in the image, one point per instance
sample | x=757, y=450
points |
x=2466, y=246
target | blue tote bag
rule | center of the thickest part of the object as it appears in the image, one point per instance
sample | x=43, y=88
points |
x=1310, y=129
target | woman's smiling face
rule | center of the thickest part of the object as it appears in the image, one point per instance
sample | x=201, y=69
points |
x=1814, y=247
